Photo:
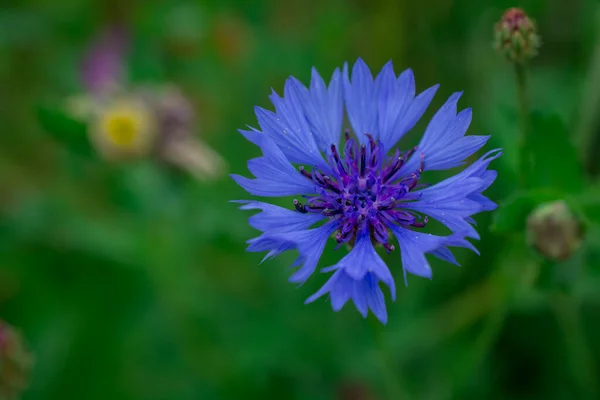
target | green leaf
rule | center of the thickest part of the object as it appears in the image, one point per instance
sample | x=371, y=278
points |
x=512, y=213
x=71, y=132
x=553, y=159
x=588, y=203
x=145, y=64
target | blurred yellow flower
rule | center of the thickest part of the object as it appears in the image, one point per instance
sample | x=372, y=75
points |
x=125, y=128
x=122, y=128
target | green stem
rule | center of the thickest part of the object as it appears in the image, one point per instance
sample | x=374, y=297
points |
x=395, y=386
x=590, y=101
x=523, y=167
x=578, y=350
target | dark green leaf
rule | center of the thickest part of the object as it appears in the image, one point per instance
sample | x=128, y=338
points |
x=553, y=159
x=71, y=132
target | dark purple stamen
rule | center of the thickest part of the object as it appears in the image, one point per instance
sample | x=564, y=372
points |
x=420, y=224
x=372, y=142
x=363, y=160
x=336, y=157
x=304, y=172
x=363, y=192
x=300, y=207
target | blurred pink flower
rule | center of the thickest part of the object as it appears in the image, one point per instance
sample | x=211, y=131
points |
x=103, y=67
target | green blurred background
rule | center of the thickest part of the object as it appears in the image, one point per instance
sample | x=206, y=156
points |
x=135, y=284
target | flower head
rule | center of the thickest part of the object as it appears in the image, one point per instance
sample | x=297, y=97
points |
x=359, y=185
x=516, y=36
x=130, y=121
x=124, y=128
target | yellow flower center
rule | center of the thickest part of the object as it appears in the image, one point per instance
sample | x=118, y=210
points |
x=122, y=128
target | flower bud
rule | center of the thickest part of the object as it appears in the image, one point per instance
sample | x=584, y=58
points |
x=554, y=231
x=15, y=363
x=516, y=36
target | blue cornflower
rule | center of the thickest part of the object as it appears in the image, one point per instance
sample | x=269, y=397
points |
x=357, y=185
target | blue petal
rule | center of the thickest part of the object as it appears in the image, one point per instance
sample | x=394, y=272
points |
x=291, y=136
x=359, y=95
x=278, y=219
x=253, y=135
x=310, y=244
x=414, y=112
x=323, y=108
x=268, y=243
x=362, y=260
x=390, y=101
x=275, y=175
x=458, y=240
x=451, y=206
x=459, y=197
x=411, y=111
x=444, y=144
x=444, y=254
x=455, y=221
x=387, y=107
x=375, y=299
x=485, y=204
x=365, y=293
x=259, y=187
x=272, y=220
x=359, y=298
x=414, y=246
x=476, y=170
x=488, y=178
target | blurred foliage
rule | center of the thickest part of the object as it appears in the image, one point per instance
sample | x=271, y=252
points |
x=131, y=282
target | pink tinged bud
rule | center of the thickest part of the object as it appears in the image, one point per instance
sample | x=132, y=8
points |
x=516, y=36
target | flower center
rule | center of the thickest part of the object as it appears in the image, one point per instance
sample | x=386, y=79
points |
x=363, y=191
x=122, y=129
